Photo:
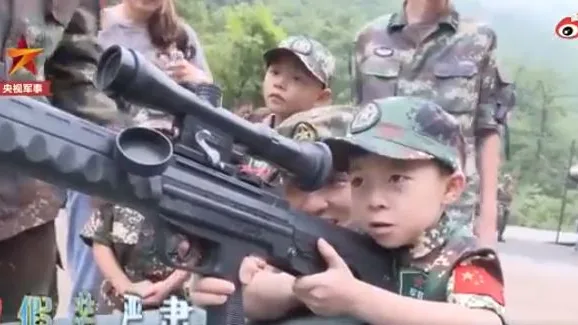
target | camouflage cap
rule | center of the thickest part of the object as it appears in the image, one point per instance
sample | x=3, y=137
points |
x=406, y=128
x=314, y=125
x=316, y=57
x=318, y=123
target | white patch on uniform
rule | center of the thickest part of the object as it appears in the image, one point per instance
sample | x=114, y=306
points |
x=366, y=118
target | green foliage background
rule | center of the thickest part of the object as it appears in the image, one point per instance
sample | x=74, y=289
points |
x=235, y=34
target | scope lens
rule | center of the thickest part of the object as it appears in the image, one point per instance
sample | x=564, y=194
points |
x=108, y=68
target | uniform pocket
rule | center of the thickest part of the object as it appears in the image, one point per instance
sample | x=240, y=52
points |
x=379, y=76
x=456, y=85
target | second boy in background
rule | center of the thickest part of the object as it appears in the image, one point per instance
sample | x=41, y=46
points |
x=297, y=79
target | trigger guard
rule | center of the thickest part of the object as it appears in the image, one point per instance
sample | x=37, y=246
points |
x=176, y=250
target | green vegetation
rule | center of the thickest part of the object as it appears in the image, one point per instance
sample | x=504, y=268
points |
x=236, y=33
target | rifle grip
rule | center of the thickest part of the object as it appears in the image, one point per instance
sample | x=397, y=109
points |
x=231, y=312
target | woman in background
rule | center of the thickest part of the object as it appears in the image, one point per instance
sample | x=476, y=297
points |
x=126, y=261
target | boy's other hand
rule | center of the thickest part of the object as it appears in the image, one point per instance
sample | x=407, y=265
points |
x=157, y=292
x=250, y=266
x=142, y=289
x=211, y=291
x=332, y=292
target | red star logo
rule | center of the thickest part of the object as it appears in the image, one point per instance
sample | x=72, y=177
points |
x=23, y=57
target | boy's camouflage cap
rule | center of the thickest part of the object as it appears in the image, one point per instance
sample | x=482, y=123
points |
x=316, y=57
x=318, y=123
x=315, y=125
x=406, y=128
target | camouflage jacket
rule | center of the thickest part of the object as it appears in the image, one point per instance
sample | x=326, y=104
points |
x=447, y=265
x=131, y=237
x=455, y=66
x=505, y=195
x=65, y=30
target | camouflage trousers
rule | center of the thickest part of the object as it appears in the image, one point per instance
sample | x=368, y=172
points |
x=503, y=219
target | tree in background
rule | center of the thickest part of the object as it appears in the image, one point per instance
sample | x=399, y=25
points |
x=234, y=38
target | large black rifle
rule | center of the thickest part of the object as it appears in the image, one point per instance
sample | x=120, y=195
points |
x=188, y=185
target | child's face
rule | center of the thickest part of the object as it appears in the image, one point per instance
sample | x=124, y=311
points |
x=289, y=88
x=395, y=201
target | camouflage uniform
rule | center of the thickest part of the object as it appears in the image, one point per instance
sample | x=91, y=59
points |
x=131, y=238
x=317, y=124
x=316, y=59
x=451, y=62
x=446, y=255
x=505, y=197
x=64, y=30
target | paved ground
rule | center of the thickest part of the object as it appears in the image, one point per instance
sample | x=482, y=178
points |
x=542, y=278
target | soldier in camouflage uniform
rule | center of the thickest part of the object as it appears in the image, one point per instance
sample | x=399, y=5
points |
x=65, y=30
x=452, y=61
x=505, y=197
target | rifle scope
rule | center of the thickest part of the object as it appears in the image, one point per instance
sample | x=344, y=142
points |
x=126, y=73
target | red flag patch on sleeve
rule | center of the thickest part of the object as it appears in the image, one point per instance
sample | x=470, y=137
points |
x=472, y=279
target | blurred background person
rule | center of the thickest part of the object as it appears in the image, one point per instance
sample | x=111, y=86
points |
x=505, y=198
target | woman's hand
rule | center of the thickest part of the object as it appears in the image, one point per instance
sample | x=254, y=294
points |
x=183, y=71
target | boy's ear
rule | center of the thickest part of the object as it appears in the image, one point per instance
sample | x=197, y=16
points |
x=325, y=98
x=455, y=186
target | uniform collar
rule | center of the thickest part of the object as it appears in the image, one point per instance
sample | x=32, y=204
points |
x=432, y=238
x=398, y=20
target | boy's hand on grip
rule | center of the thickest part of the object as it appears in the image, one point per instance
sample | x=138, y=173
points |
x=250, y=266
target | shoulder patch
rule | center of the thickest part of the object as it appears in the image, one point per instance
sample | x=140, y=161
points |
x=476, y=280
x=304, y=131
x=367, y=117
